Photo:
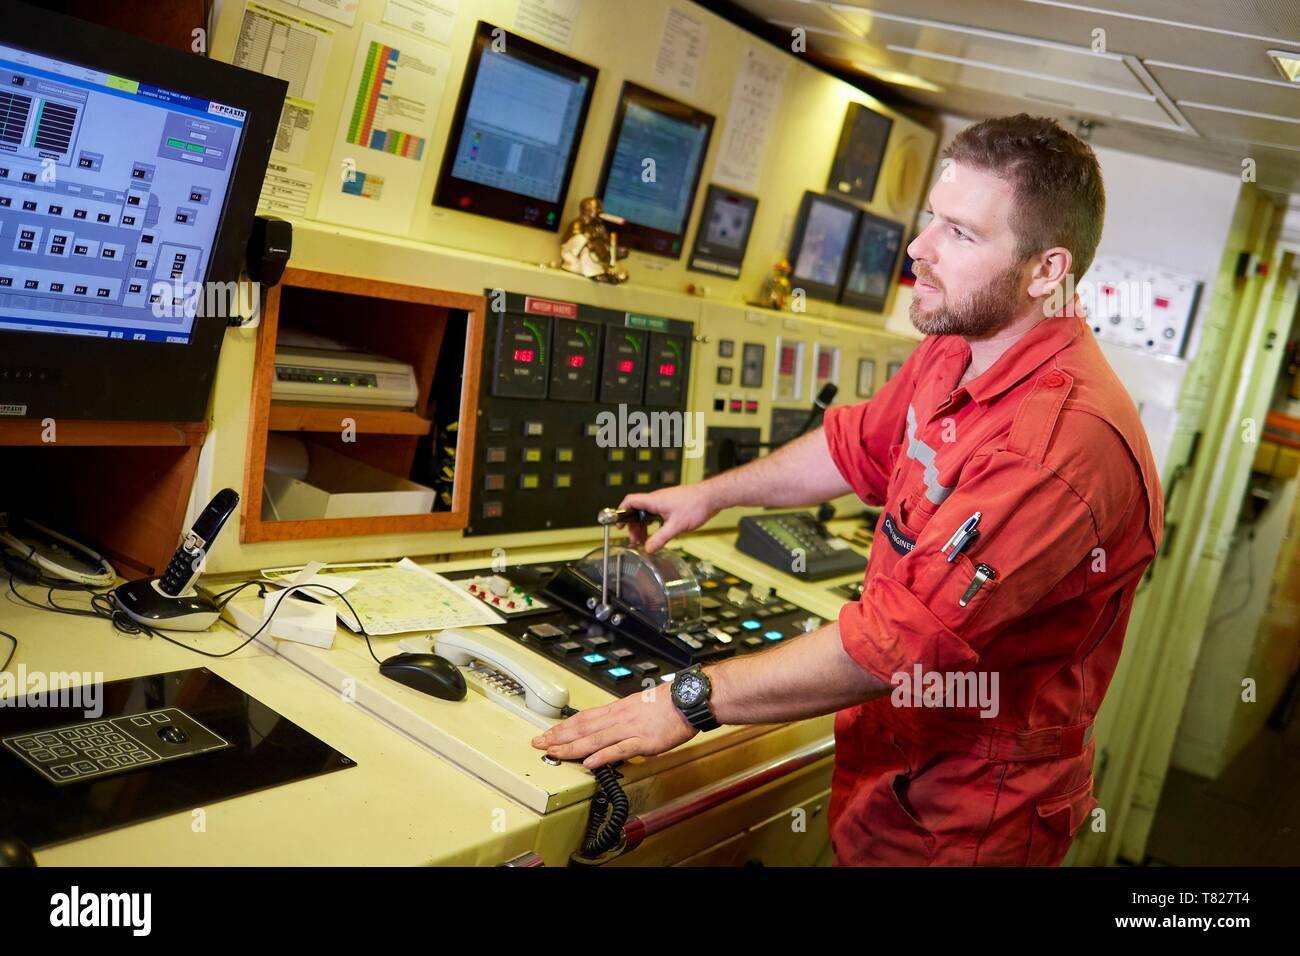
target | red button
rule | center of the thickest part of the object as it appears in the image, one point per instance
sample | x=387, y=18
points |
x=1053, y=380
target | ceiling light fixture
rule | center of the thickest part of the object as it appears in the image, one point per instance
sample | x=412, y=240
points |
x=1288, y=63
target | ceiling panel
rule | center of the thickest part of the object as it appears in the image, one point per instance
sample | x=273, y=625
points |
x=1206, y=60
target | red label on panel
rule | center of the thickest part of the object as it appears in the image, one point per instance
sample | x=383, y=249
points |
x=1162, y=302
x=565, y=310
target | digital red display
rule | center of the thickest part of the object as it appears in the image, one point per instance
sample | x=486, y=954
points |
x=668, y=370
x=824, y=365
x=577, y=361
x=625, y=365
x=524, y=355
x=788, y=354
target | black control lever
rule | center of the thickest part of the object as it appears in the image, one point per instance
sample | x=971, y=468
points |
x=635, y=516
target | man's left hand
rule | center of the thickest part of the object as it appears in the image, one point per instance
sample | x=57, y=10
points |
x=641, y=725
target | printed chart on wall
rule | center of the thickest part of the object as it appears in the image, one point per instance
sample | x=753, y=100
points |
x=754, y=103
x=296, y=51
x=389, y=108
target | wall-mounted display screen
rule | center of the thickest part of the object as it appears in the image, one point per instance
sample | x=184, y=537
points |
x=723, y=235
x=516, y=131
x=860, y=153
x=819, y=248
x=652, y=169
x=872, y=264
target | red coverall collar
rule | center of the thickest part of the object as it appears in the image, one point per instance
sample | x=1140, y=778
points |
x=1031, y=352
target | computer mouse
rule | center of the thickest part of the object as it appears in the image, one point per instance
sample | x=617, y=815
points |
x=427, y=673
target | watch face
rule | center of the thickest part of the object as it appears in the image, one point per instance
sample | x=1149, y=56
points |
x=689, y=690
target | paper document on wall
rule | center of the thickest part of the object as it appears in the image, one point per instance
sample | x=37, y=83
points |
x=389, y=109
x=548, y=21
x=750, y=118
x=296, y=51
x=433, y=19
x=344, y=11
x=681, y=51
x=286, y=190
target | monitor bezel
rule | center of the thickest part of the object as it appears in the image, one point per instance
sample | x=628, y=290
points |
x=852, y=117
x=853, y=299
x=702, y=251
x=631, y=235
x=493, y=202
x=818, y=290
x=122, y=379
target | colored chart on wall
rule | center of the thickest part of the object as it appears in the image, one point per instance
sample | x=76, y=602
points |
x=389, y=109
x=375, y=102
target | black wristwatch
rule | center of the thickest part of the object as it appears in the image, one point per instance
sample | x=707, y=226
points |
x=691, y=690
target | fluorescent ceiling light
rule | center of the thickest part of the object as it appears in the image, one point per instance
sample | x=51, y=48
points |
x=898, y=77
x=1288, y=61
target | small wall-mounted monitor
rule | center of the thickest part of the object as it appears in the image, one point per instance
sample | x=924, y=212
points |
x=872, y=264
x=819, y=248
x=652, y=169
x=860, y=153
x=516, y=131
x=723, y=235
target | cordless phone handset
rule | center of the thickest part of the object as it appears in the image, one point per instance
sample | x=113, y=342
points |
x=187, y=562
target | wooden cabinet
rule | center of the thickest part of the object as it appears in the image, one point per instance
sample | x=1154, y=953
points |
x=438, y=333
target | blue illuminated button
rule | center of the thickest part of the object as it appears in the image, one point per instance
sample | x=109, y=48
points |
x=591, y=660
x=618, y=673
x=773, y=635
x=751, y=624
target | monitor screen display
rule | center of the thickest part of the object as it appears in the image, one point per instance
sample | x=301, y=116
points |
x=516, y=133
x=111, y=194
x=652, y=169
x=820, y=251
x=723, y=235
x=860, y=152
x=871, y=267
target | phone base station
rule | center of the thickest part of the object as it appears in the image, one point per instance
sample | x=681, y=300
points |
x=144, y=603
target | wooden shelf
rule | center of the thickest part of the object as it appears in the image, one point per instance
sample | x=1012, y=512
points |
x=75, y=433
x=405, y=323
x=291, y=417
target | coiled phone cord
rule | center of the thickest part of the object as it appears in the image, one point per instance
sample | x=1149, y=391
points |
x=608, y=814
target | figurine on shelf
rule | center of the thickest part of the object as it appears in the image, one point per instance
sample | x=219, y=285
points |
x=589, y=248
x=776, y=287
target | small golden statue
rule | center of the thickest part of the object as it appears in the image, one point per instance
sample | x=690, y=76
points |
x=589, y=248
x=776, y=287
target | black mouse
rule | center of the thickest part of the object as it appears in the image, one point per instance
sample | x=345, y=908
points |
x=427, y=673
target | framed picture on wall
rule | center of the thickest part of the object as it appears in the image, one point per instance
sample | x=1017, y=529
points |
x=860, y=153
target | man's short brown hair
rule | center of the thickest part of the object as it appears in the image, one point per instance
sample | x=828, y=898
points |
x=1060, y=198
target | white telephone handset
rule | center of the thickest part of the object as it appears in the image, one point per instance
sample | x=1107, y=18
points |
x=484, y=653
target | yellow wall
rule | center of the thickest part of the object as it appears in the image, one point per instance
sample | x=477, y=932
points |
x=621, y=38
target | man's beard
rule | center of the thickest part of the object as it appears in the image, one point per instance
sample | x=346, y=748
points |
x=983, y=312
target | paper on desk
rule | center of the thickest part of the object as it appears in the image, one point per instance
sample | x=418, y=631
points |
x=399, y=598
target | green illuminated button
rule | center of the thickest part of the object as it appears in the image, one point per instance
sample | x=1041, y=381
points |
x=614, y=478
x=644, y=454
x=530, y=481
x=564, y=454
x=563, y=481
x=617, y=454
x=643, y=477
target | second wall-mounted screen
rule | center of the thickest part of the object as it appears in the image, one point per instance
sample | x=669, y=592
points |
x=516, y=131
x=652, y=169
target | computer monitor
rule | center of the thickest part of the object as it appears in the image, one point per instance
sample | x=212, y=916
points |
x=860, y=153
x=871, y=266
x=516, y=132
x=723, y=234
x=129, y=175
x=652, y=169
x=819, y=248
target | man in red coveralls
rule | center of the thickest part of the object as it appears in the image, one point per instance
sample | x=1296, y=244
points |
x=1007, y=408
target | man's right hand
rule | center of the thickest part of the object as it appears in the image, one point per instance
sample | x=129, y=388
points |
x=683, y=508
